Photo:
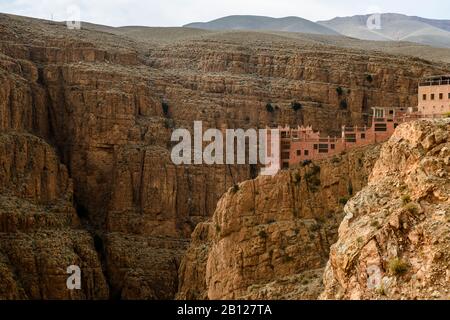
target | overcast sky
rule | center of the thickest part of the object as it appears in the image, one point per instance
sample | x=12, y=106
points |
x=179, y=12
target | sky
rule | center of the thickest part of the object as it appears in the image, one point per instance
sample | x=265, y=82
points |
x=179, y=12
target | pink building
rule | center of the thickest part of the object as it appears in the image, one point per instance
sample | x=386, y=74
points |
x=303, y=143
x=434, y=95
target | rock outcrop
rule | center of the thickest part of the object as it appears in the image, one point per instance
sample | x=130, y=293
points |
x=270, y=237
x=394, y=241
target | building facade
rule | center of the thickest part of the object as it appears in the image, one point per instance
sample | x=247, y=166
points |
x=303, y=143
x=434, y=95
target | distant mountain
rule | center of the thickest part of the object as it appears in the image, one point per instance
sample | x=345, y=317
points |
x=290, y=24
x=394, y=27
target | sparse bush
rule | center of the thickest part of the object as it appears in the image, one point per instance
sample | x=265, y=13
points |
x=165, y=108
x=169, y=124
x=335, y=160
x=350, y=188
x=369, y=78
x=406, y=199
x=411, y=208
x=262, y=234
x=343, y=200
x=340, y=91
x=269, y=108
x=235, y=188
x=397, y=267
x=447, y=115
x=296, y=106
x=296, y=178
x=343, y=104
x=375, y=224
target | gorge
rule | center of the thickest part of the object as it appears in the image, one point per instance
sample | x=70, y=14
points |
x=86, y=179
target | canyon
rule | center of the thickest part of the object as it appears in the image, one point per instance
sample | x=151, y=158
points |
x=85, y=174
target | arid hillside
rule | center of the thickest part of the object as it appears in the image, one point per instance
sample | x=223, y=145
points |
x=88, y=115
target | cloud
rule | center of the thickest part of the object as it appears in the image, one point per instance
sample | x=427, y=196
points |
x=179, y=12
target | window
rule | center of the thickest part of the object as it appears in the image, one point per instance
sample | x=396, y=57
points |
x=363, y=135
x=285, y=165
x=285, y=155
x=449, y=95
x=350, y=137
x=306, y=152
x=323, y=148
x=432, y=96
x=333, y=146
x=380, y=127
x=379, y=113
x=299, y=152
x=441, y=96
x=315, y=147
x=424, y=97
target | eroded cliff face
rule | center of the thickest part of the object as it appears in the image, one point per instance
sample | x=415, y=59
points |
x=40, y=233
x=97, y=98
x=270, y=238
x=394, y=241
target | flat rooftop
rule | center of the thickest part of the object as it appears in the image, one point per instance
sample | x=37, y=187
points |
x=435, y=81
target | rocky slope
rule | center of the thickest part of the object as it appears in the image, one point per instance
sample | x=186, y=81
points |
x=108, y=103
x=394, y=241
x=270, y=238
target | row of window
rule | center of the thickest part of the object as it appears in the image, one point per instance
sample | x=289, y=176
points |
x=432, y=96
x=434, y=107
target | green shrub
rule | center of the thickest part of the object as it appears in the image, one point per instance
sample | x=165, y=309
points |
x=350, y=188
x=269, y=108
x=165, y=108
x=343, y=200
x=343, y=104
x=340, y=91
x=447, y=115
x=369, y=78
x=375, y=224
x=262, y=234
x=296, y=178
x=411, y=208
x=169, y=124
x=397, y=267
x=406, y=199
x=296, y=106
x=235, y=188
x=287, y=259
